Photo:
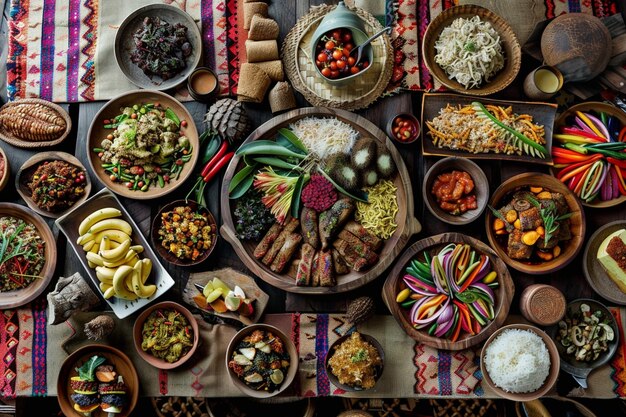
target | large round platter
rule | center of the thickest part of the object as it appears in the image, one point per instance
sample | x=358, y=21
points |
x=124, y=44
x=97, y=133
x=12, y=299
x=407, y=224
x=585, y=107
x=28, y=169
x=306, y=79
x=503, y=294
x=123, y=366
x=594, y=272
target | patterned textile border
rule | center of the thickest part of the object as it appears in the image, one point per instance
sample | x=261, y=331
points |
x=23, y=341
x=618, y=364
x=53, y=48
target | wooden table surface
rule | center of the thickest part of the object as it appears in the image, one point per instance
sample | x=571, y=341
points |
x=570, y=280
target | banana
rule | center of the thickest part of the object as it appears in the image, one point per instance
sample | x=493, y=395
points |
x=113, y=255
x=114, y=235
x=137, y=248
x=96, y=216
x=91, y=264
x=116, y=224
x=94, y=249
x=118, y=283
x=105, y=274
x=87, y=246
x=142, y=291
x=104, y=245
x=130, y=256
x=104, y=286
x=94, y=259
x=110, y=292
x=82, y=239
x=145, y=270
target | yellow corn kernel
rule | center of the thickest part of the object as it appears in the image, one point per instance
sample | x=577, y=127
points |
x=544, y=195
x=530, y=238
x=517, y=224
x=536, y=190
x=541, y=231
x=498, y=224
x=491, y=277
x=403, y=295
x=546, y=256
x=556, y=251
x=511, y=216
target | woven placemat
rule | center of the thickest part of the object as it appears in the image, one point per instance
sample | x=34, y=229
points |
x=301, y=71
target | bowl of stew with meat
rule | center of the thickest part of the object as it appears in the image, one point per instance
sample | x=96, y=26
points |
x=455, y=190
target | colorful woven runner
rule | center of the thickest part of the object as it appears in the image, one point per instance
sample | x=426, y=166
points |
x=63, y=50
x=23, y=347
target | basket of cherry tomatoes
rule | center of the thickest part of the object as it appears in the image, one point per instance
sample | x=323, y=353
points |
x=334, y=57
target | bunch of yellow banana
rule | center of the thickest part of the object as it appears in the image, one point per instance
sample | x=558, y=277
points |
x=109, y=249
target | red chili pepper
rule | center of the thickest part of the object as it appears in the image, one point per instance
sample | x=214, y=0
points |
x=566, y=173
x=622, y=135
x=457, y=331
x=620, y=181
x=218, y=166
x=220, y=152
x=575, y=180
x=617, y=162
x=470, y=279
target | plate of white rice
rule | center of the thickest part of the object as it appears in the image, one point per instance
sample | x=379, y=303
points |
x=520, y=362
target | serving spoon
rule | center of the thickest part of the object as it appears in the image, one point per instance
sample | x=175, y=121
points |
x=362, y=46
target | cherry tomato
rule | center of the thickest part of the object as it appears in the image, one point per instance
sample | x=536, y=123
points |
x=326, y=72
x=354, y=70
x=334, y=74
x=113, y=177
x=318, y=64
x=333, y=65
x=341, y=64
x=322, y=57
x=346, y=52
x=351, y=61
x=348, y=46
x=330, y=45
x=337, y=53
x=365, y=64
x=336, y=35
x=347, y=36
x=183, y=123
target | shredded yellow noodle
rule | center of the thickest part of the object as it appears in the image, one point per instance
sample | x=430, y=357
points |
x=379, y=216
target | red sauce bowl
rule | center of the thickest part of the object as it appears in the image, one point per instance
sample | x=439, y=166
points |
x=404, y=128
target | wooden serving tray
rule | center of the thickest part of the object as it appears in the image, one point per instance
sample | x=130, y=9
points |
x=407, y=224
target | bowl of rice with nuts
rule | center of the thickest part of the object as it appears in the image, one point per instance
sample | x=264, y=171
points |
x=520, y=362
x=355, y=362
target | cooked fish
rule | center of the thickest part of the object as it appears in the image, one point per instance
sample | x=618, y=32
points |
x=291, y=225
x=370, y=239
x=341, y=267
x=332, y=220
x=309, y=227
x=303, y=276
x=268, y=239
x=286, y=252
x=325, y=269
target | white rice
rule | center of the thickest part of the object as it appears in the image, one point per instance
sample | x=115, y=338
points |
x=325, y=136
x=518, y=361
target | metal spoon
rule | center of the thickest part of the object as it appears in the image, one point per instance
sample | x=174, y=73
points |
x=367, y=42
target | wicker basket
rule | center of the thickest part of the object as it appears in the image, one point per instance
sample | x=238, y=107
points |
x=306, y=79
x=467, y=408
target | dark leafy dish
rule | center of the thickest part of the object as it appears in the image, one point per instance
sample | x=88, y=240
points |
x=57, y=185
x=161, y=48
x=22, y=253
x=261, y=361
x=533, y=224
x=147, y=146
x=585, y=334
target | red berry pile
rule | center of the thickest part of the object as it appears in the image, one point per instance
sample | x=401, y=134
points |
x=319, y=194
x=333, y=55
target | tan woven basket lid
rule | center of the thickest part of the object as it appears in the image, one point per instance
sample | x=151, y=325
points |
x=301, y=71
x=542, y=304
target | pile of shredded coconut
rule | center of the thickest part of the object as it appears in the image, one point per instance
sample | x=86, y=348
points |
x=518, y=361
x=324, y=137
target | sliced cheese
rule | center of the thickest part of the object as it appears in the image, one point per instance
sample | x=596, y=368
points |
x=617, y=274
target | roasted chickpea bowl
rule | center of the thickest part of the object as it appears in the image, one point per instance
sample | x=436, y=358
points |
x=184, y=233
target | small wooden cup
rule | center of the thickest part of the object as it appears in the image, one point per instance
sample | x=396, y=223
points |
x=536, y=88
x=203, y=84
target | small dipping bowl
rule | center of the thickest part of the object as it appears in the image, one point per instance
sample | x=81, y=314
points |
x=203, y=84
x=404, y=128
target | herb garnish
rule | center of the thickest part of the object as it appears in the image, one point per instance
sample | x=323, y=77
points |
x=549, y=216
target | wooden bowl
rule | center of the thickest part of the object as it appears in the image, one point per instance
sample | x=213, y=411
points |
x=166, y=254
x=510, y=45
x=503, y=294
x=125, y=44
x=97, y=133
x=416, y=131
x=28, y=169
x=600, y=107
x=577, y=222
x=578, y=369
x=378, y=370
x=138, y=328
x=5, y=169
x=159, y=276
x=593, y=270
x=10, y=138
x=552, y=375
x=407, y=224
x=123, y=366
x=481, y=189
x=288, y=345
x=12, y=299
